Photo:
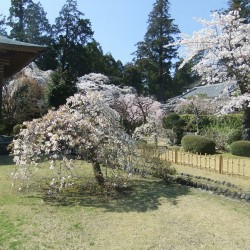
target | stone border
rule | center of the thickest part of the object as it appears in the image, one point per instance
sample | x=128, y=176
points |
x=224, y=188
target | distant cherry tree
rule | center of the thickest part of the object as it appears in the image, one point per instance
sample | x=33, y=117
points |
x=136, y=110
x=223, y=45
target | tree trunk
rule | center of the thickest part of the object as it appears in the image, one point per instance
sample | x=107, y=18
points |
x=98, y=172
x=246, y=124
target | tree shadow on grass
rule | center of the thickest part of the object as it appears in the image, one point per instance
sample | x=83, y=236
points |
x=145, y=195
x=6, y=160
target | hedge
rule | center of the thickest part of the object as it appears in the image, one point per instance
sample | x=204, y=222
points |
x=233, y=121
x=241, y=148
x=198, y=144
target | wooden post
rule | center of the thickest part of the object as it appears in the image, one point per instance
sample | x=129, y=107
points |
x=209, y=163
x=232, y=162
x=200, y=160
x=205, y=160
x=243, y=168
x=238, y=166
x=175, y=156
x=220, y=164
x=227, y=165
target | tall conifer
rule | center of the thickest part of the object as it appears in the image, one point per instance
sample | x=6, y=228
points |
x=152, y=55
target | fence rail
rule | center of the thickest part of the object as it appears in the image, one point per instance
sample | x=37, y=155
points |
x=214, y=163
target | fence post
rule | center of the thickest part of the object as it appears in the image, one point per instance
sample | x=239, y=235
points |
x=175, y=156
x=243, y=168
x=220, y=164
x=238, y=166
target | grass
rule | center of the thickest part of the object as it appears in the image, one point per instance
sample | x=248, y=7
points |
x=153, y=215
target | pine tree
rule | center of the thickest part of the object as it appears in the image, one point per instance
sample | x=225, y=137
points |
x=28, y=23
x=183, y=78
x=61, y=86
x=3, y=25
x=38, y=30
x=132, y=76
x=17, y=18
x=152, y=55
x=72, y=32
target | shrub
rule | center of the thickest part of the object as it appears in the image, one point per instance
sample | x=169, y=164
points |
x=141, y=143
x=172, y=121
x=16, y=129
x=222, y=136
x=176, y=124
x=198, y=144
x=162, y=170
x=233, y=121
x=241, y=148
x=149, y=162
x=191, y=122
x=235, y=135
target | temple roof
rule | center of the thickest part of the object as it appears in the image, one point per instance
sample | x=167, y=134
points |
x=211, y=91
x=14, y=55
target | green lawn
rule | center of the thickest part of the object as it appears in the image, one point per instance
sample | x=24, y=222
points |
x=153, y=216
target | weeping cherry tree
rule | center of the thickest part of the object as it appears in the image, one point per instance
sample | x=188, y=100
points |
x=85, y=126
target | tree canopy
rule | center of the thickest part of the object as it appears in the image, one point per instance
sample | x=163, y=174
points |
x=224, y=44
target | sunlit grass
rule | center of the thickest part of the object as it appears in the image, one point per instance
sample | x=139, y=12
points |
x=152, y=215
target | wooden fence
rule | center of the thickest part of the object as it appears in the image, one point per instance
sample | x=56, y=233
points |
x=214, y=163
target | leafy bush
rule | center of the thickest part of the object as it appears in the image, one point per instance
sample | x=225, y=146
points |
x=162, y=170
x=141, y=143
x=222, y=136
x=191, y=122
x=17, y=128
x=149, y=162
x=241, y=148
x=173, y=120
x=233, y=121
x=198, y=144
x=235, y=135
x=176, y=124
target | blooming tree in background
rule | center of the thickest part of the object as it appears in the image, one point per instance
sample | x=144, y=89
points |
x=223, y=45
x=137, y=110
x=86, y=126
x=94, y=78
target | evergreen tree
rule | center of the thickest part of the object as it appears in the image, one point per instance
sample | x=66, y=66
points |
x=152, y=54
x=29, y=24
x=2, y=25
x=72, y=32
x=244, y=5
x=61, y=86
x=94, y=60
x=132, y=76
x=183, y=78
x=37, y=27
x=113, y=69
x=17, y=18
x=94, y=56
x=39, y=31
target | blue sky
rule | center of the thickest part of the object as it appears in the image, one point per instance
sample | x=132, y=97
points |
x=119, y=24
